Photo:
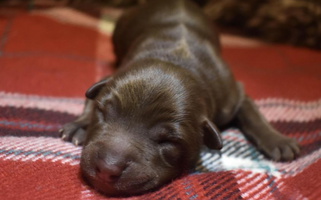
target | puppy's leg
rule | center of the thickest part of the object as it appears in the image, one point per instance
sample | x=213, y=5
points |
x=257, y=129
x=76, y=131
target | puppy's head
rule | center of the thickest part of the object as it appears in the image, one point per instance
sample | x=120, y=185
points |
x=147, y=128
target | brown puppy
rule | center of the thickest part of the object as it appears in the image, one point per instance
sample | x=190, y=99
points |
x=146, y=124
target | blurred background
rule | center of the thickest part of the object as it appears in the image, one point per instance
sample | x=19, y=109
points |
x=295, y=22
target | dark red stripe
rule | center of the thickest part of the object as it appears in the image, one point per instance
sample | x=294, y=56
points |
x=297, y=127
x=34, y=114
x=224, y=188
x=310, y=147
x=29, y=133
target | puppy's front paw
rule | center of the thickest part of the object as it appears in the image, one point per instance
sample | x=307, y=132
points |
x=280, y=148
x=73, y=132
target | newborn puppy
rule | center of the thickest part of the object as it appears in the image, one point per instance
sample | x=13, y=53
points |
x=145, y=125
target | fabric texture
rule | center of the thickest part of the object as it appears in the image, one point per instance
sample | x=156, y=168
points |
x=47, y=61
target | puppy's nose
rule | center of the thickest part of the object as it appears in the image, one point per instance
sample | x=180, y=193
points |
x=110, y=170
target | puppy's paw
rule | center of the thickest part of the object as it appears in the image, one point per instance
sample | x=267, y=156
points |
x=280, y=148
x=73, y=132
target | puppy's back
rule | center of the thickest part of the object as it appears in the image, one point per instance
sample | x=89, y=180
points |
x=157, y=17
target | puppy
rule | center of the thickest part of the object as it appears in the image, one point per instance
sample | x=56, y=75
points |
x=145, y=125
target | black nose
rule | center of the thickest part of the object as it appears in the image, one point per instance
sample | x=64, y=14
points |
x=109, y=169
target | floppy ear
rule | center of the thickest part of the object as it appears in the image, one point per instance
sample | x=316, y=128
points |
x=93, y=91
x=212, y=136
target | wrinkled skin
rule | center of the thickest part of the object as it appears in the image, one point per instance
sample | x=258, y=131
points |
x=145, y=125
x=150, y=141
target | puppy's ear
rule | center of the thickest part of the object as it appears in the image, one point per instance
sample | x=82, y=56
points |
x=212, y=136
x=93, y=91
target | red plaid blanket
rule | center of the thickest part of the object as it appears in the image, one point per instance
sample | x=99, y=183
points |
x=47, y=64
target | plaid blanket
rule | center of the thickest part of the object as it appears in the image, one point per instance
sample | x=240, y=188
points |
x=48, y=60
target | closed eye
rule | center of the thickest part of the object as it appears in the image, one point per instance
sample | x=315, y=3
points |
x=102, y=111
x=166, y=139
x=170, y=153
x=99, y=106
x=106, y=109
